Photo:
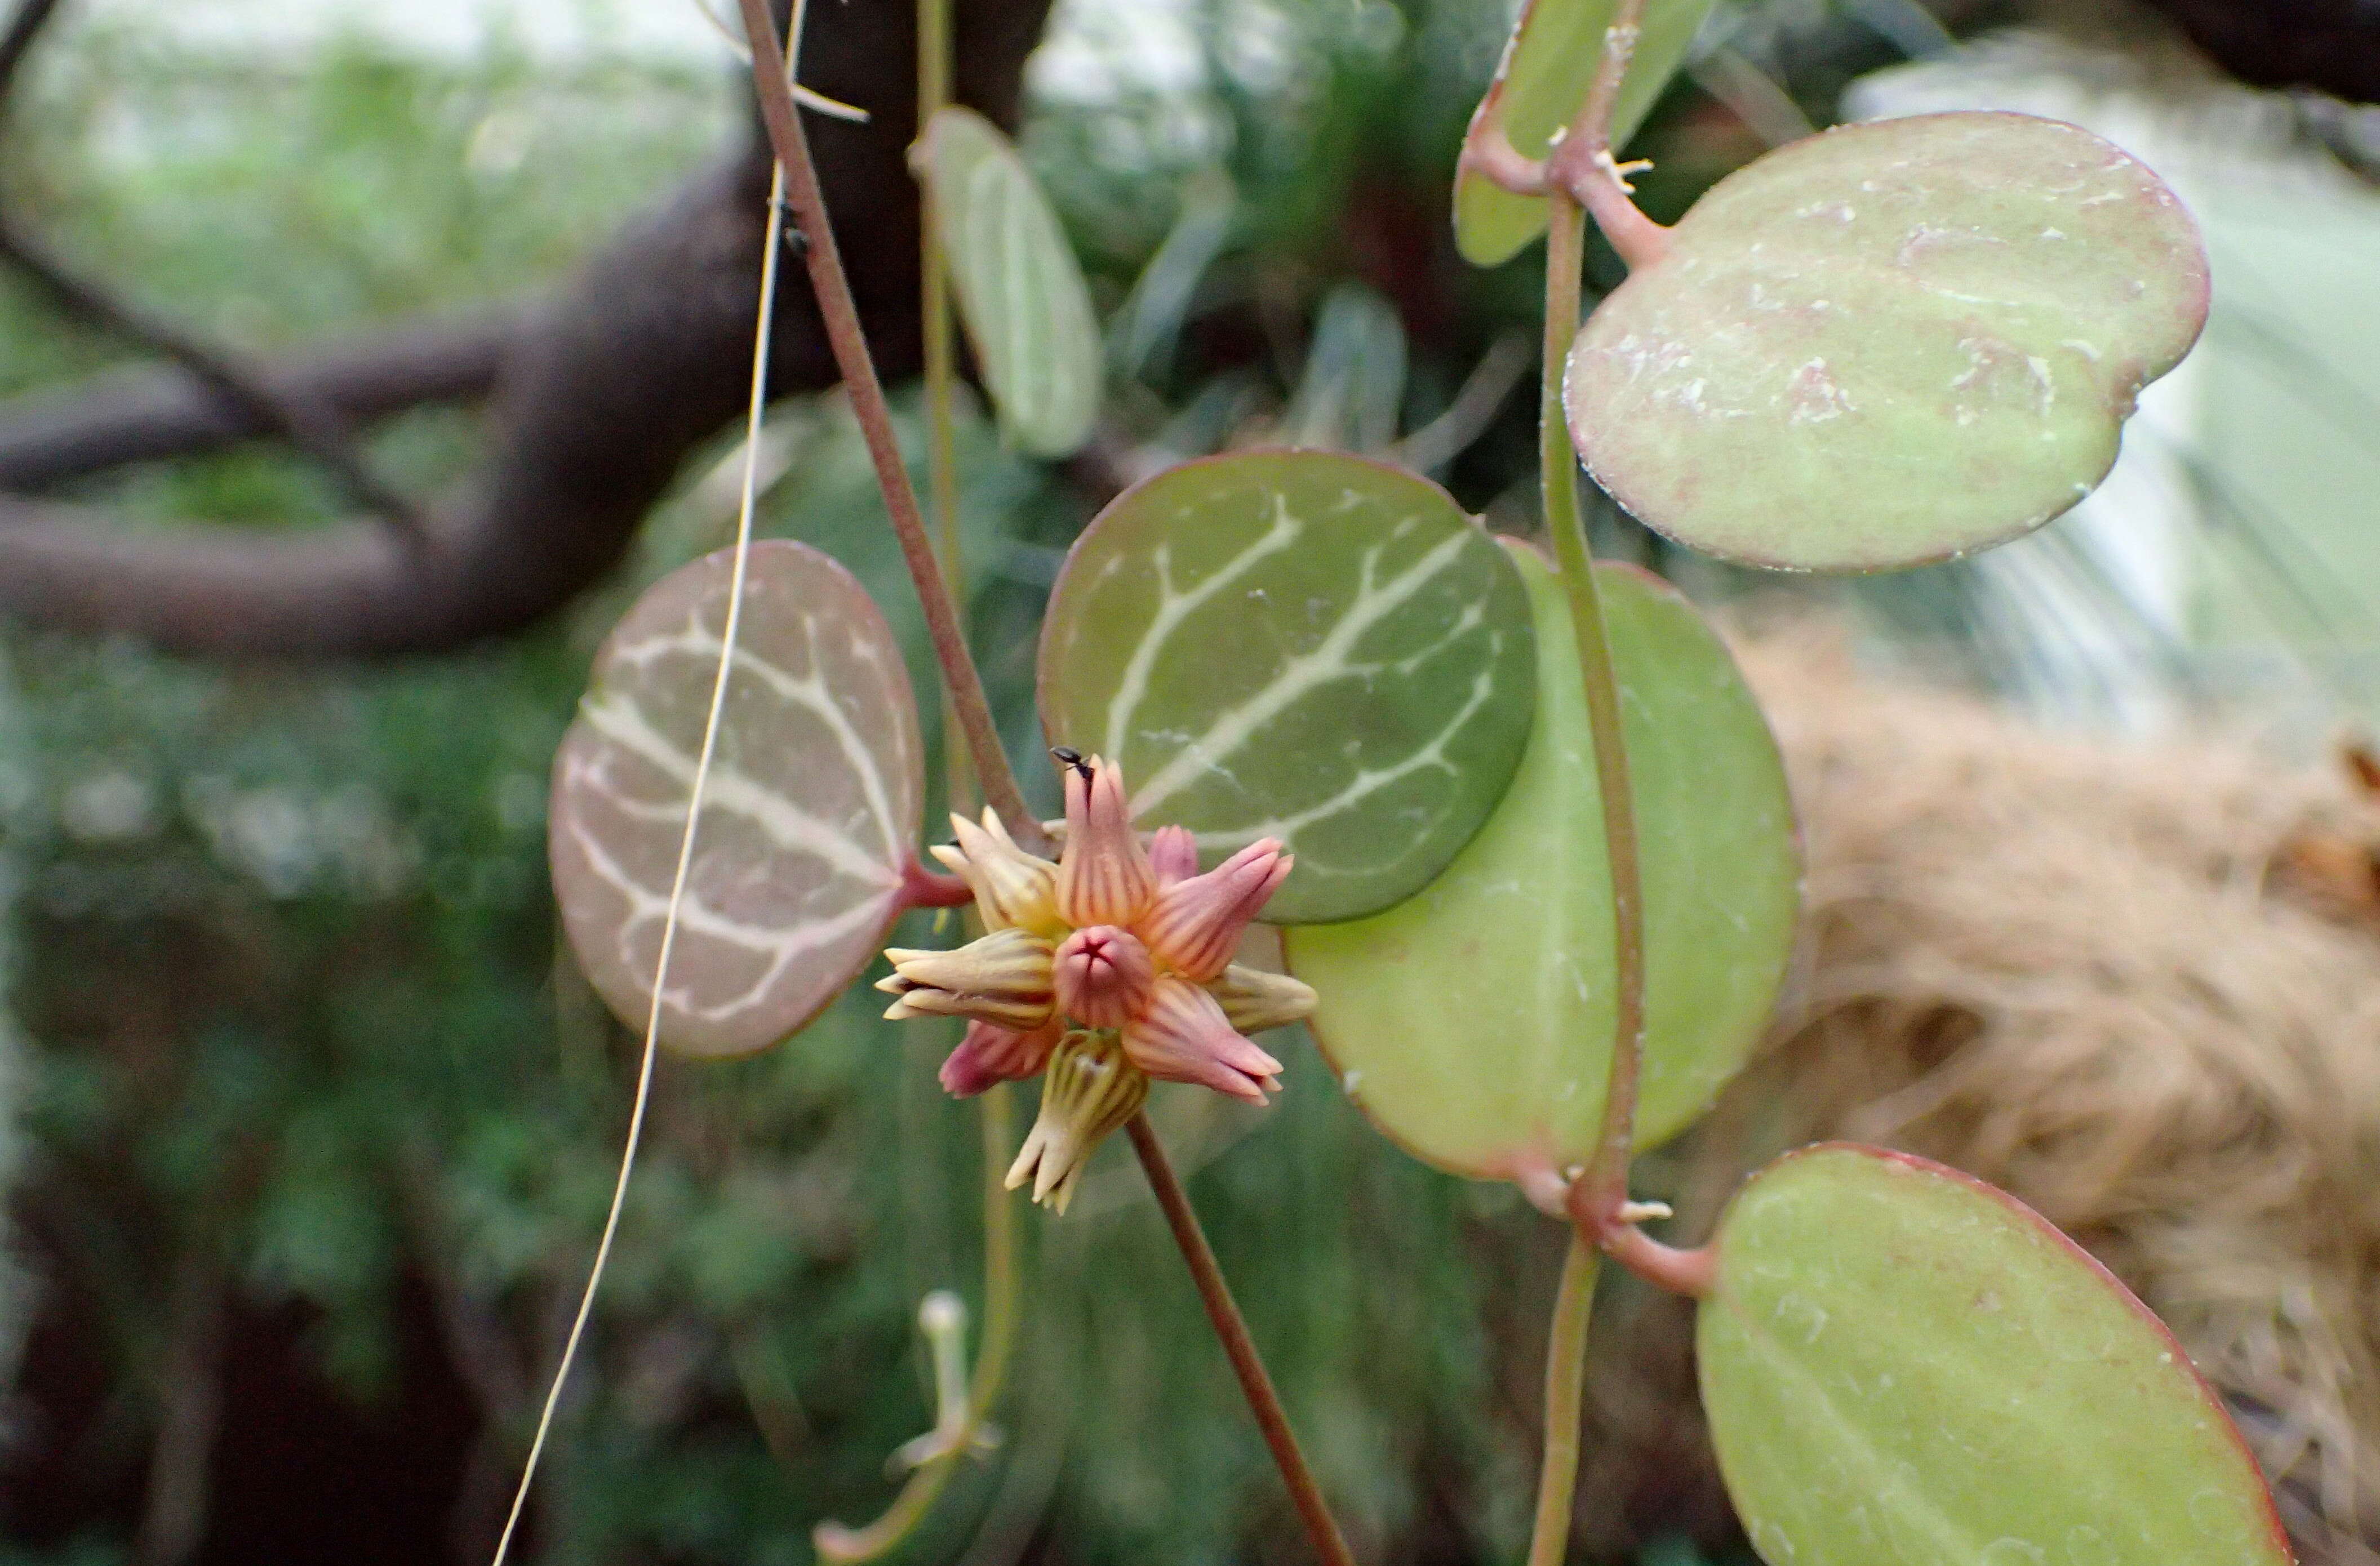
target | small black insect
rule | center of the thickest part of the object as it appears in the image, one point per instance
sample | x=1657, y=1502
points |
x=1068, y=756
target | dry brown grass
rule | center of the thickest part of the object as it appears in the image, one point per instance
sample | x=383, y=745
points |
x=2139, y=988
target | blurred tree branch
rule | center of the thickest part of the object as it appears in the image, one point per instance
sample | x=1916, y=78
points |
x=597, y=394
x=2330, y=45
x=317, y=429
x=148, y=413
x=23, y=28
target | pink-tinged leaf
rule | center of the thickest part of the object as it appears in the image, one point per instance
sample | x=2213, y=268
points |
x=1890, y=343
x=811, y=805
x=1903, y=1363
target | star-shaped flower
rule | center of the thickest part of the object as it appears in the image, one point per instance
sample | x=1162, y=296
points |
x=1109, y=968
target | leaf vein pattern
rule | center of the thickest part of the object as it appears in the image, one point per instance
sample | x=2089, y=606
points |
x=1367, y=782
x=1944, y=1539
x=782, y=947
x=811, y=692
x=1329, y=661
x=786, y=823
x=1173, y=607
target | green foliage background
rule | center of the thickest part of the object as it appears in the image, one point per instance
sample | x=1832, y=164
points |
x=299, y=1027
x=299, y=1032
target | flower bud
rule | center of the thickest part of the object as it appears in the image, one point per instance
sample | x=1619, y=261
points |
x=1173, y=855
x=1090, y=1089
x=1013, y=889
x=989, y=1054
x=1103, y=873
x=1254, y=999
x=1002, y=980
x=1196, y=924
x=1102, y=975
x=1182, y=1037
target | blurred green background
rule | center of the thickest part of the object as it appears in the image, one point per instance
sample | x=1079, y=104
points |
x=309, y=1126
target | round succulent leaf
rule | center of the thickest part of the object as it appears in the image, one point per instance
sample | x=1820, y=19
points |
x=1888, y=344
x=1020, y=290
x=1474, y=1022
x=1540, y=86
x=1300, y=644
x=812, y=801
x=1903, y=1364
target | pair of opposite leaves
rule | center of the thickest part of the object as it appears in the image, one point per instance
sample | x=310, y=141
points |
x=1899, y=1364
x=1882, y=344
x=1315, y=647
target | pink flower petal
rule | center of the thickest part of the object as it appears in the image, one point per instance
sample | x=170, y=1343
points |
x=989, y=1054
x=1103, y=874
x=1102, y=975
x=1173, y=855
x=1196, y=924
x=1183, y=1038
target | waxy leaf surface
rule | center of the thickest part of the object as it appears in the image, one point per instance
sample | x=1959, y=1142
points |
x=1474, y=1023
x=1539, y=88
x=1888, y=344
x=812, y=801
x=1020, y=290
x=1298, y=645
x=1903, y=1367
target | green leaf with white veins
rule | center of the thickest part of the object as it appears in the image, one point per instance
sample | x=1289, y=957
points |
x=1299, y=644
x=1888, y=344
x=812, y=801
x=1020, y=289
x=1904, y=1366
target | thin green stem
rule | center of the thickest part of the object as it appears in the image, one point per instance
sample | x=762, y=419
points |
x=840, y=315
x=997, y=1111
x=1598, y=1194
x=999, y=1250
x=848, y=1546
x=1565, y=1393
x=940, y=359
x=1321, y=1528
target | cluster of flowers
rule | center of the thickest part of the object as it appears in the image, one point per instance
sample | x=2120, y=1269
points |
x=1107, y=969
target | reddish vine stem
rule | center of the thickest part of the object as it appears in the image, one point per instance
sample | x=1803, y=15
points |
x=1320, y=1526
x=840, y=316
x=1579, y=162
x=922, y=888
x=964, y=686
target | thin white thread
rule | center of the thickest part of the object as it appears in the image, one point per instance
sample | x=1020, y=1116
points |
x=834, y=108
x=773, y=243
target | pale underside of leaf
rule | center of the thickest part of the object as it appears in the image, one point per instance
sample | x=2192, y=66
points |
x=1541, y=85
x=813, y=797
x=1303, y=646
x=1474, y=1023
x=1020, y=290
x=1888, y=344
x=1904, y=1366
